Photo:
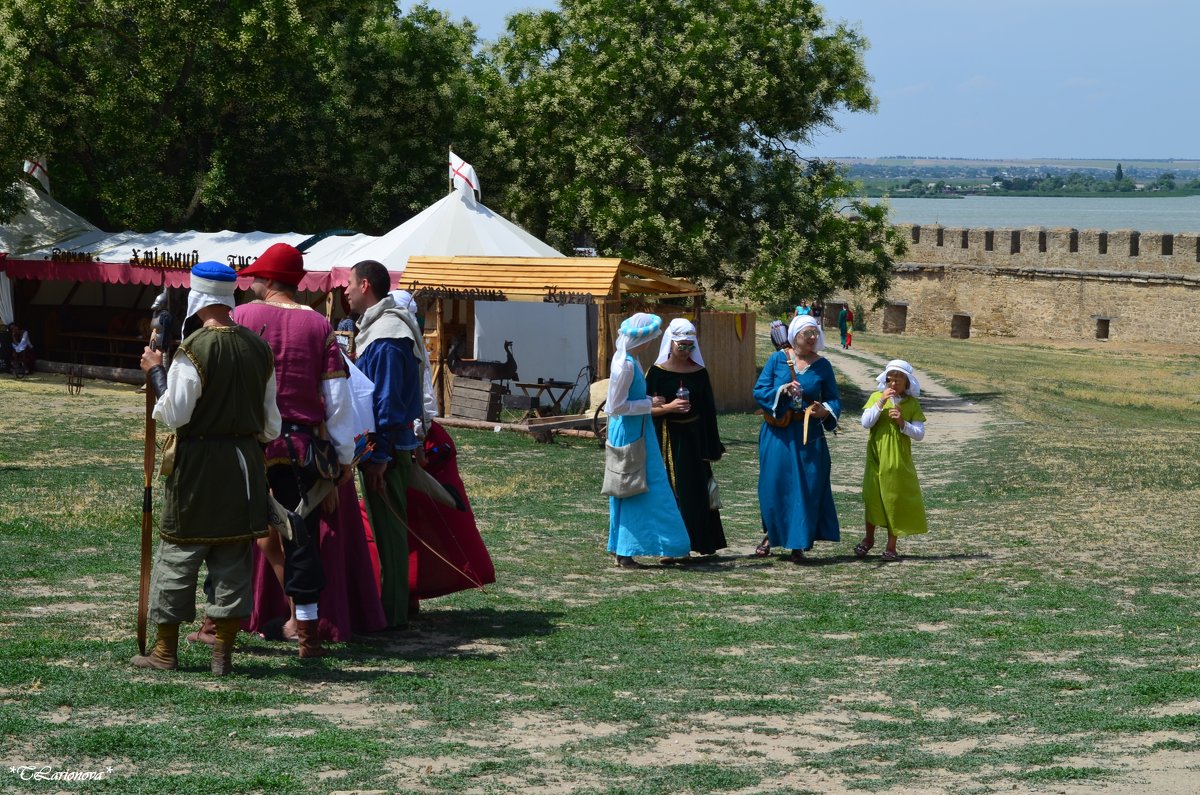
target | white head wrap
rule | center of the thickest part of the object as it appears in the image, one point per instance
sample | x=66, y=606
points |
x=207, y=290
x=679, y=329
x=634, y=332
x=404, y=300
x=801, y=322
x=899, y=366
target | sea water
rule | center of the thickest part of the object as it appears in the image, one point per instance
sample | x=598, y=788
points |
x=1170, y=214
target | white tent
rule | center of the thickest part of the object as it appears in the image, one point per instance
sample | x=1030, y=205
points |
x=549, y=341
x=113, y=257
x=455, y=225
x=44, y=223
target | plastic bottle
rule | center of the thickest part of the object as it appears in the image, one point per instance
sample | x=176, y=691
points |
x=683, y=393
x=798, y=402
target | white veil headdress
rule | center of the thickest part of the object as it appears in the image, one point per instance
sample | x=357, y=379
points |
x=679, y=329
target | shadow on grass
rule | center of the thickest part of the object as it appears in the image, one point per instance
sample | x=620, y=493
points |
x=470, y=633
x=718, y=564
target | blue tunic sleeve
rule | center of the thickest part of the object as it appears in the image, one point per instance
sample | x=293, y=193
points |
x=775, y=373
x=829, y=393
x=396, y=372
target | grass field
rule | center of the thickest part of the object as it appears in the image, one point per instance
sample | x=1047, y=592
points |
x=1045, y=635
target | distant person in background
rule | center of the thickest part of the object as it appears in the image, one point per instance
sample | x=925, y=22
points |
x=344, y=333
x=803, y=309
x=779, y=335
x=817, y=310
x=6, y=351
x=849, y=328
x=844, y=317
x=23, y=357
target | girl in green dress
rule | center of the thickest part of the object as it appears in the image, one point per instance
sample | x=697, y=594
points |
x=891, y=493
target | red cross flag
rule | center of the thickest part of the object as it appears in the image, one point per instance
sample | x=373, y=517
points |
x=36, y=168
x=462, y=175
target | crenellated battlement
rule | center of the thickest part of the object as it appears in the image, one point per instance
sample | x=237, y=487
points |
x=1058, y=283
x=1117, y=251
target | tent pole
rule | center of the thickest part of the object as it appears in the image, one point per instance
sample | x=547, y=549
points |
x=602, y=344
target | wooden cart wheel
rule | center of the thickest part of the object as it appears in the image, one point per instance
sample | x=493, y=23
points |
x=600, y=424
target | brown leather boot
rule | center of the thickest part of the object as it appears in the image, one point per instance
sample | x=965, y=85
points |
x=206, y=634
x=310, y=639
x=222, y=654
x=164, y=654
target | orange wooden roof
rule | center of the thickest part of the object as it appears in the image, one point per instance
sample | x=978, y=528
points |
x=533, y=278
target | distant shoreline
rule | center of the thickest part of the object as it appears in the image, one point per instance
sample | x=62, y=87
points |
x=1184, y=164
x=1161, y=194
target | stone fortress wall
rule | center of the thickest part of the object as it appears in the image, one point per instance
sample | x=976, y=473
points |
x=1059, y=284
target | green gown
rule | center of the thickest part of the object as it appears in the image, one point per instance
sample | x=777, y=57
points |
x=891, y=493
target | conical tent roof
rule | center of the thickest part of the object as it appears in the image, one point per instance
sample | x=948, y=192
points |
x=43, y=224
x=455, y=225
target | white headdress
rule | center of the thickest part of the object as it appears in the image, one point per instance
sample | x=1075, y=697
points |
x=634, y=332
x=210, y=283
x=404, y=300
x=801, y=322
x=679, y=329
x=899, y=366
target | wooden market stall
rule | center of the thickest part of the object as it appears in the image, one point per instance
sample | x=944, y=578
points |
x=447, y=288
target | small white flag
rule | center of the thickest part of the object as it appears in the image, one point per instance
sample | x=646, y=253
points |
x=36, y=168
x=462, y=175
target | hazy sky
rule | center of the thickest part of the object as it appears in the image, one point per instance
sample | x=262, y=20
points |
x=1004, y=78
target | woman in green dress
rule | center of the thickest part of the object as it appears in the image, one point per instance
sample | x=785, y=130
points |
x=891, y=492
x=685, y=418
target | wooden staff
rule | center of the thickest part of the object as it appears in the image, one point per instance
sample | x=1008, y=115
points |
x=159, y=338
x=148, y=451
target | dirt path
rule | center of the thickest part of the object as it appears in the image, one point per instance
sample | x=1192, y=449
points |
x=951, y=419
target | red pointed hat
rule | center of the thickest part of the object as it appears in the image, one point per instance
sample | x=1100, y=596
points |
x=280, y=262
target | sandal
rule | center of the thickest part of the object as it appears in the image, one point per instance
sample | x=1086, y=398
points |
x=763, y=549
x=862, y=549
x=890, y=554
x=797, y=557
x=628, y=563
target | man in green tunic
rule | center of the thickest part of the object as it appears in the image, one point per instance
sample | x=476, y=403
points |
x=219, y=398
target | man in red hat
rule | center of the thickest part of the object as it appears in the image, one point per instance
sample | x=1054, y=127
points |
x=314, y=402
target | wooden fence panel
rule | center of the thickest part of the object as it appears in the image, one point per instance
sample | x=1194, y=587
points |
x=727, y=345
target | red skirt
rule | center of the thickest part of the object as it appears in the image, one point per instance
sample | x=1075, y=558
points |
x=446, y=553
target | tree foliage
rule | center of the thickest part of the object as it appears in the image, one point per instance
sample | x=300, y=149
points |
x=660, y=130
x=209, y=113
x=665, y=131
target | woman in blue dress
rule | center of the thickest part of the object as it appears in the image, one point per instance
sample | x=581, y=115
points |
x=648, y=523
x=794, y=492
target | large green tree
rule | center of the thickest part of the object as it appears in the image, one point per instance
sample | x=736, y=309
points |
x=667, y=130
x=275, y=114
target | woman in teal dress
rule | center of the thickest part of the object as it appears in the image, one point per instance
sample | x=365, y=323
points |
x=794, y=491
x=648, y=523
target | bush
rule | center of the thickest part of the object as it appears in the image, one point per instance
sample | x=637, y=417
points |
x=860, y=318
